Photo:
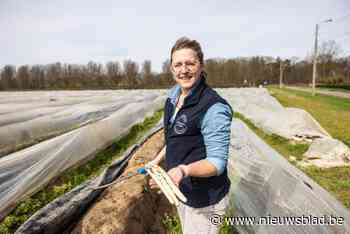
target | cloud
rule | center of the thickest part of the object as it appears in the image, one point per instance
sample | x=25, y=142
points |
x=80, y=31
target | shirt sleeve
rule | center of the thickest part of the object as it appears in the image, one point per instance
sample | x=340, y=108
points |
x=216, y=131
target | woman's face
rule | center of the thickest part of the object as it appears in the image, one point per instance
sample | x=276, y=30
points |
x=186, y=68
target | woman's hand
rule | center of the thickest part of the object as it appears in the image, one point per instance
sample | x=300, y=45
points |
x=153, y=184
x=175, y=175
x=178, y=173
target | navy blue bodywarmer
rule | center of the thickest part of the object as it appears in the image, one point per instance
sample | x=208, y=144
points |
x=185, y=144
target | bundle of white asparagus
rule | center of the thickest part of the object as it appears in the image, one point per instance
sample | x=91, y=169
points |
x=166, y=185
x=162, y=179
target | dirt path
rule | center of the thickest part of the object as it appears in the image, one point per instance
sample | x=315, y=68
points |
x=129, y=206
x=322, y=91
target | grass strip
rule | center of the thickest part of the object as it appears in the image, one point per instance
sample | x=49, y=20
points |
x=72, y=178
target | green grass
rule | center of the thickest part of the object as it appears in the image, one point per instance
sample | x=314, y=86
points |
x=343, y=88
x=173, y=225
x=335, y=180
x=333, y=114
x=335, y=89
x=228, y=229
x=76, y=176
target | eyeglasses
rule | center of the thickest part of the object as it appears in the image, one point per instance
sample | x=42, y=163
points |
x=188, y=65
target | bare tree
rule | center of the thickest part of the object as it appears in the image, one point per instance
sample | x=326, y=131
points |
x=23, y=77
x=114, y=72
x=328, y=52
x=146, y=74
x=37, y=75
x=54, y=74
x=8, y=77
x=131, y=70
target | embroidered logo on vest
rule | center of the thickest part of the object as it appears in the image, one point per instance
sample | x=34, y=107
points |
x=180, y=124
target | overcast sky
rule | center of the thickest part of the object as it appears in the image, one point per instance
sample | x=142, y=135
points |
x=41, y=32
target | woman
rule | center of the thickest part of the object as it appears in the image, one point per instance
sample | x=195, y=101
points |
x=197, y=125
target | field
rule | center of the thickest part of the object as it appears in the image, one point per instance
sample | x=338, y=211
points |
x=331, y=112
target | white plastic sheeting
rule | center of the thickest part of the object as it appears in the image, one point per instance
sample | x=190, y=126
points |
x=28, y=117
x=264, y=184
x=328, y=152
x=257, y=105
x=24, y=172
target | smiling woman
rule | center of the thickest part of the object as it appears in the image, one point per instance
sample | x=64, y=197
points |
x=197, y=125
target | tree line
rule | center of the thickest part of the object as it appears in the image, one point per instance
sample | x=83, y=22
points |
x=235, y=72
x=111, y=75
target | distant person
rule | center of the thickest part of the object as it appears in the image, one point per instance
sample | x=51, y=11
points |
x=197, y=123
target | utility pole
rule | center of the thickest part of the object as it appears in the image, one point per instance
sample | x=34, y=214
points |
x=282, y=67
x=281, y=75
x=314, y=70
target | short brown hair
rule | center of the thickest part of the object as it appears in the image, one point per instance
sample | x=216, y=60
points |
x=186, y=43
